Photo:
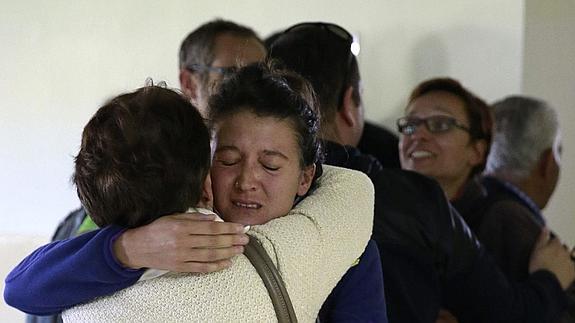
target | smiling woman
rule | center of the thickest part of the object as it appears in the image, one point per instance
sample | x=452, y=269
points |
x=446, y=134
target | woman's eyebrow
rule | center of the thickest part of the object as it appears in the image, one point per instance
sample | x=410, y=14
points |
x=440, y=108
x=273, y=153
x=435, y=108
x=226, y=148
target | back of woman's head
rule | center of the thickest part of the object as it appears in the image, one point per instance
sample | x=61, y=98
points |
x=269, y=92
x=143, y=155
x=476, y=109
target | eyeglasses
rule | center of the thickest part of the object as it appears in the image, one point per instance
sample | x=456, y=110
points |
x=225, y=71
x=434, y=124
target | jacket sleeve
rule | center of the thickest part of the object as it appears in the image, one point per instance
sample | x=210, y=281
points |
x=358, y=296
x=64, y=273
x=485, y=295
x=315, y=244
x=476, y=289
x=509, y=233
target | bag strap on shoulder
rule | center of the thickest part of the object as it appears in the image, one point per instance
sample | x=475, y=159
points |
x=259, y=258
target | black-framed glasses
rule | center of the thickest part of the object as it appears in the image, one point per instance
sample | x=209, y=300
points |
x=224, y=71
x=434, y=124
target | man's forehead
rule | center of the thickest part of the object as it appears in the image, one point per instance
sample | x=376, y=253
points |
x=234, y=50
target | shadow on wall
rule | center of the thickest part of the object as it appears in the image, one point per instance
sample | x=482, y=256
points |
x=488, y=62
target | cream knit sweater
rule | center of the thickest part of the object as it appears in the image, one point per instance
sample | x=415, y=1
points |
x=312, y=247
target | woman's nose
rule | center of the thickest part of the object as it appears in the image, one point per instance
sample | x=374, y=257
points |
x=247, y=179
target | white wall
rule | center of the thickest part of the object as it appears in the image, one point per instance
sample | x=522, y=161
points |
x=549, y=73
x=61, y=59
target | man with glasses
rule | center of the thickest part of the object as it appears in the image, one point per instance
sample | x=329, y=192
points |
x=428, y=254
x=213, y=51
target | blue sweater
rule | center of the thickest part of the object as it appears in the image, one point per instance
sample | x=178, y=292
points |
x=64, y=273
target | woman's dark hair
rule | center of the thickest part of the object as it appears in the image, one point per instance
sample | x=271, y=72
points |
x=477, y=111
x=143, y=155
x=262, y=89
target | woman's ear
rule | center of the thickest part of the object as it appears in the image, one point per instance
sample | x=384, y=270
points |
x=546, y=162
x=189, y=83
x=207, y=199
x=306, y=180
x=349, y=110
x=479, y=152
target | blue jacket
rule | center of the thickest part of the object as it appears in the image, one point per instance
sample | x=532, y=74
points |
x=359, y=296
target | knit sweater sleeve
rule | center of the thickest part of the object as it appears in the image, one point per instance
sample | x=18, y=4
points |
x=321, y=237
x=63, y=273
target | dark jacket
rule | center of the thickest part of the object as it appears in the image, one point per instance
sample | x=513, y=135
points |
x=430, y=257
x=507, y=222
x=380, y=143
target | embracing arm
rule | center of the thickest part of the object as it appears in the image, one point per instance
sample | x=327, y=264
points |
x=317, y=242
x=68, y=272
x=64, y=273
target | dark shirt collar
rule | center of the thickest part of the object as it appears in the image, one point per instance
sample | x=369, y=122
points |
x=351, y=157
x=490, y=181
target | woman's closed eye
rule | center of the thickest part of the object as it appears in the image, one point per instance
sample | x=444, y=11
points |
x=227, y=158
x=227, y=162
x=270, y=167
x=272, y=162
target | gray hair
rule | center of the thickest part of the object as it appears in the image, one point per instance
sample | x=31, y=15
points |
x=198, y=46
x=524, y=128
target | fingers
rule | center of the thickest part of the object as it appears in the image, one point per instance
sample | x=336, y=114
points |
x=557, y=249
x=199, y=260
x=215, y=228
x=543, y=239
x=214, y=241
x=187, y=242
x=194, y=216
x=181, y=242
